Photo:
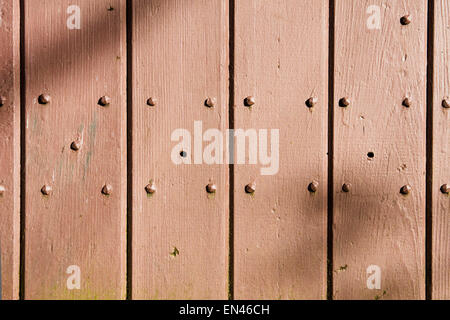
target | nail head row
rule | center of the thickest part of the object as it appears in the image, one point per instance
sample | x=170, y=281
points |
x=310, y=102
x=406, y=189
x=47, y=190
x=46, y=99
x=151, y=188
x=249, y=101
x=249, y=188
x=209, y=102
x=345, y=102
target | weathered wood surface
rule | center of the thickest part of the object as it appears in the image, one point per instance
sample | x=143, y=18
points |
x=441, y=154
x=379, y=147
x=9, y=148
x=179, y=235
x=179, y=232
x=280, y=229
x=75, y=225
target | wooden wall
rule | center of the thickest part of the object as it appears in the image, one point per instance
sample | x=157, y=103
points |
x=379, y=147
x=76, y=223
x=10, y=148
x=440, y=223
x=99, y=199
x=280, y=230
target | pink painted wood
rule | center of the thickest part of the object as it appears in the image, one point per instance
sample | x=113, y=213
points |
x=441, y=154
x=9, y=148
x=75, y=146
x=179, y=232
x=379, y=147
x=280, y=229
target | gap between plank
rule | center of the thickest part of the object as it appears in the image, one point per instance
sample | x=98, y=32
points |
x=22, y=151
x=331, y=17
x=231, y=166
x=429, y=154
x=129, y=238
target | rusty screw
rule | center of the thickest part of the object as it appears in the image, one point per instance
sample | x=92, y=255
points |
x=104, y=101
x=406, y=189
x=446, y=103
x=152, y=101
x=405, y=20
x=46, y=190
x=2, y=190
x=346, y=187
x=107, y=189
x=249, y=101
x=75, y=145
x=150, y=188
x=406, y=102
x=313, y=186
x=44, y=98
x=311, y=102
x=211, y=188
x=2, y=101
x=250, y=188
x=210, y=102
x=344, y=102
x=445, y=188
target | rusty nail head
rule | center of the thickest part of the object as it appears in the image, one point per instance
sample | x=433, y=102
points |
x=210, y=102
x=446, y=103
x=104, y=101
x=405, y=20
x=2, y=101
x=344, y=102
x=152, y=101
x=107, y=189
x=249, y=101
x=313, y=186
x=75, y=145
x=46, y=190
x=250, y=188
x=445, y=188
x=346, y=187
x=311, y=102
x=150, y=188
x=406, y=102
x=44, y=98
x=2, y=190
x=211, y=188
x=406, y=189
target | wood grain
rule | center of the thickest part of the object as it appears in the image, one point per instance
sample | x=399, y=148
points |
x=9, y=148
x=180, y=232
x=280, y=230
x=76, y=224
x=374, y=224
x=441, y=154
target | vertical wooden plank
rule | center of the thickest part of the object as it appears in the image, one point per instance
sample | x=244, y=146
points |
x=280, y=229
x=379, y=147
x=75, y=226
x=9, y=148
x=180, y=232
x=441, y=153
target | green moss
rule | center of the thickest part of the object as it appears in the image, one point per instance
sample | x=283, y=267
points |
x=342, y=268
x=175, y=252
x=377, y=297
